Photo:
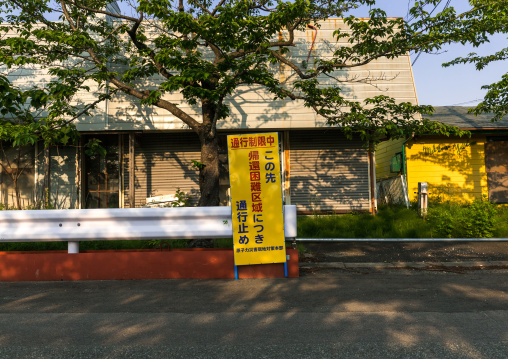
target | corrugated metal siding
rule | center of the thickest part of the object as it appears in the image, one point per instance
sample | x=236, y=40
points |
x=252, y=107
x=328, y=172
x=27, y=76
x=452, y=171
x=460, y=117
x=163, y=164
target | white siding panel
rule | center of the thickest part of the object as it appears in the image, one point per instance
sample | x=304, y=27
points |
x=34, y=75
x=251, y=108
x=254, y=108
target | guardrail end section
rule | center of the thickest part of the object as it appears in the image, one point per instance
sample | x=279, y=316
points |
x=290, y=221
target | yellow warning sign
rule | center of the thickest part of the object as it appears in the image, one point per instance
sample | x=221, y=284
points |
x=256, y=198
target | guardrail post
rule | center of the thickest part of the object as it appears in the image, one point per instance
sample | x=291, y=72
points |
x=72, y=247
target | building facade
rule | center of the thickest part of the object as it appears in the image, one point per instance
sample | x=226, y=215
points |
x=455, y=168
x=150, y=151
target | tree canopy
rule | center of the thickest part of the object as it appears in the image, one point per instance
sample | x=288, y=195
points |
x=206, y=49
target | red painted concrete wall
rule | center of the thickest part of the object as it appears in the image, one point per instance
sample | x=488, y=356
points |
x=141, y=264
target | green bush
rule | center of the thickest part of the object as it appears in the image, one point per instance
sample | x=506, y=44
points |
x=501, y=228
x=441, y=220
x=479, y=219
x=474, y=220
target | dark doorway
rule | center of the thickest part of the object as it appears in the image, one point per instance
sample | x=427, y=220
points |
x=496, y=163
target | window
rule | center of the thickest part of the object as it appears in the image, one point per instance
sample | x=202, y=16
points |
x=102, y=175
x=17, y=169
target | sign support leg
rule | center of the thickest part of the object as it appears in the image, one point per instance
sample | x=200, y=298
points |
x=73, y=247
x=286, y=269
x=236, y=272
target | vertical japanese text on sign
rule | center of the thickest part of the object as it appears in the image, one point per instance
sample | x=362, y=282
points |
x=256, y=197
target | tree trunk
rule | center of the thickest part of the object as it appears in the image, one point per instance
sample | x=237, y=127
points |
x=16, y=191
x=209, y=169
x=209, y=172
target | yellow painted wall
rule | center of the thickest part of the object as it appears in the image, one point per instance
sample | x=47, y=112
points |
x=384, y=154
x=454, y=168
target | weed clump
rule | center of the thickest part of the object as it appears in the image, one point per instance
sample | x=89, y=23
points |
x=475, y=220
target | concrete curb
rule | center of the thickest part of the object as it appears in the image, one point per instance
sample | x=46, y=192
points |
x=408, y=265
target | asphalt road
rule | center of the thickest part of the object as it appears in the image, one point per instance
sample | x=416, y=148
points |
x=421, y=252
x=325, y=314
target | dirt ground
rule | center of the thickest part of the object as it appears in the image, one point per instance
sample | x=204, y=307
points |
x=376, y=252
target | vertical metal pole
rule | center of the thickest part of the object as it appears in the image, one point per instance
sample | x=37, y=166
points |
x=78, y=181
x=286, y=269
x=372, y=175
x=425, y=202
x=47, y=174
x=236, y=272
x=132, y=178
x=36, y=173
x=121, y=173
x=287, y=169
x=72, y=247
x=405, y=192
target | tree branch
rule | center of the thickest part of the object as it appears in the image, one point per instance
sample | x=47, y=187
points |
x=37, y=16
x=188, y=120
x=68, y=16
x=88, y=107
x=143, y=47
x=111, y=33
x=201, y=7
x=217, y=7
x=145, y=94
x=97, y=11
x=287, y=43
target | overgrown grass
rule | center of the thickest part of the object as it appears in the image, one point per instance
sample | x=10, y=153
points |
x=479, y=219
x=448, y=220
x=390, y=222
x=501, y=227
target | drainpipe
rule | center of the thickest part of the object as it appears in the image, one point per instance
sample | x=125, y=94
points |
x=404, y=172
x=404, y=155
x=313, y=40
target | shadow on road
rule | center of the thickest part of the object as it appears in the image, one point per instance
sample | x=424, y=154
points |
x=457, y=312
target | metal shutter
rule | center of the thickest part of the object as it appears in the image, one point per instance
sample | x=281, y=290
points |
x=328, y=172
x=163, y=164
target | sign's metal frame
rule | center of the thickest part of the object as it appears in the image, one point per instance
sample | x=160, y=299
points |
x=256, y=198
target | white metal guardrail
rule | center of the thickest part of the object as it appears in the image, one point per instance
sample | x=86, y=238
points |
x=75, y=225
x=400, y=239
